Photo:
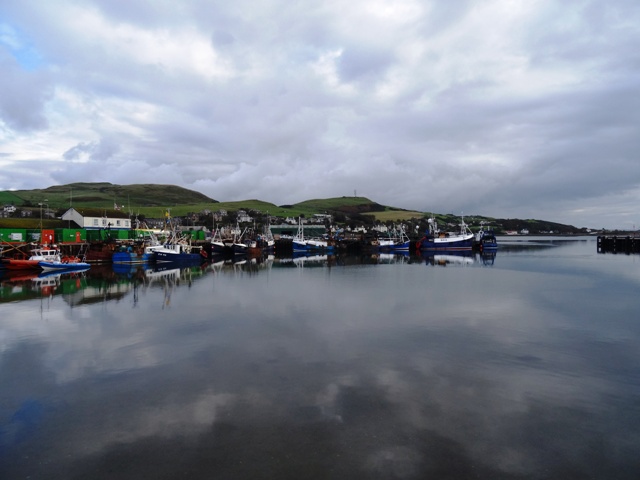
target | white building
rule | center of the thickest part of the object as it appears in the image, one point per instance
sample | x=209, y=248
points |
x=380, y=228
x=98, y=218
x=244, y=217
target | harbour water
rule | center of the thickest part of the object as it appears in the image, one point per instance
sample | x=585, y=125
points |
x=522, y=365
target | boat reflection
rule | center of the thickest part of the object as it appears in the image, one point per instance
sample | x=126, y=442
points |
x=103, y=283
x=305, y=259
x=23, y=285
x=488, y=257
x=392, y=258
x=342, y=260
x=241, y=263
x=459, y=258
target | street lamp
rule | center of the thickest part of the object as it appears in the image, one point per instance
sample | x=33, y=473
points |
x=41, y=204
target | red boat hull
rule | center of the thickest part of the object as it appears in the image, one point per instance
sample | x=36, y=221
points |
x=15, y=264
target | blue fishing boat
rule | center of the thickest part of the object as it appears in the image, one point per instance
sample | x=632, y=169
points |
x=396, y=241
x=218, y=245
x=177, y=248
x=434, y=239
x=178, y=253
x=301, y=244
x=132, y=255
x=486, y=240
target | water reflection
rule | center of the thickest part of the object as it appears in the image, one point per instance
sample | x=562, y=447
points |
x=100, y=283
x=18, y=285
x=103, y=283
x=460, y=259
x=370, y=367
x=536, y=243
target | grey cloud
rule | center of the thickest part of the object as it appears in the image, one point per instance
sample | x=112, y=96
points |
x=359, y=63
x=545, y=121
x=222, y=38
x=95, y=151
x=24, y=95
x=441, y=16
x=138, y=13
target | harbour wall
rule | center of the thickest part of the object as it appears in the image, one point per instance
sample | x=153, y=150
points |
x=618, y=244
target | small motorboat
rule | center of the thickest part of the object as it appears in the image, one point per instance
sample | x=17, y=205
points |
x=65, y=264
x=38, y=255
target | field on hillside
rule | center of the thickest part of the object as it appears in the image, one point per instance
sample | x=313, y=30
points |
x=396, y=215
x=307, y=208
x=154, y=201
x=9, y=198
x=106, y=195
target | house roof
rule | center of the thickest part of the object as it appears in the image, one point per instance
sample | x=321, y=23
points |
x=100, y=212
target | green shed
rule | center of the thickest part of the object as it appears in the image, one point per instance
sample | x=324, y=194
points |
x=14, y=235
x=71, y=235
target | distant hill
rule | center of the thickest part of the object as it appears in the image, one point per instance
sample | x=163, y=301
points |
x=105, y=195
x=152, y=201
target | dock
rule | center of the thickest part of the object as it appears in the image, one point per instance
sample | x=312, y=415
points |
x=618, y=244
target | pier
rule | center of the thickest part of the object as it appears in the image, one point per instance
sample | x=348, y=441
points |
x=618, y=244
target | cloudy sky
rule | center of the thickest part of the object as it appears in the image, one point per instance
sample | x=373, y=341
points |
x=502, y=108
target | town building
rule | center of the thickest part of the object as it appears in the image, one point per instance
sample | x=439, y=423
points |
x=98, y=218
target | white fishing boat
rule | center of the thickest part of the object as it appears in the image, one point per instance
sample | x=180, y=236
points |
x=397, y=240
x=217, y=244
x=435, y=239
x=302, y=244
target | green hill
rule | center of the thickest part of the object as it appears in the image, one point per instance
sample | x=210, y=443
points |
x=105, y=195
x=152, y=201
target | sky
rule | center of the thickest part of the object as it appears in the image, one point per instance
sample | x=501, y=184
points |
x=502, y=108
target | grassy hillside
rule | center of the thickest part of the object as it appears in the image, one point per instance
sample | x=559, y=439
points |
x=9, y=198
x=104, y=195
x=347, y=205
x=354, y=206
x=152, y=201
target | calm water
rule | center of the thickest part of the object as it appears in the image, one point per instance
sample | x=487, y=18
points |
x=522, y=366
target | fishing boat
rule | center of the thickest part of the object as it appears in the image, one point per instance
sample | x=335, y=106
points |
x=267, y=237
x=176, y=248
x=262, y=242
x=301, y=244
x=179, y=252
x=218, y=246
x=240, y=247
x=99, y=251
x=131, y=258
x=238, y=243
x=486, y=240
x=136, y=254
x=42, y=254
x=434, y=239
x=396, y=241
